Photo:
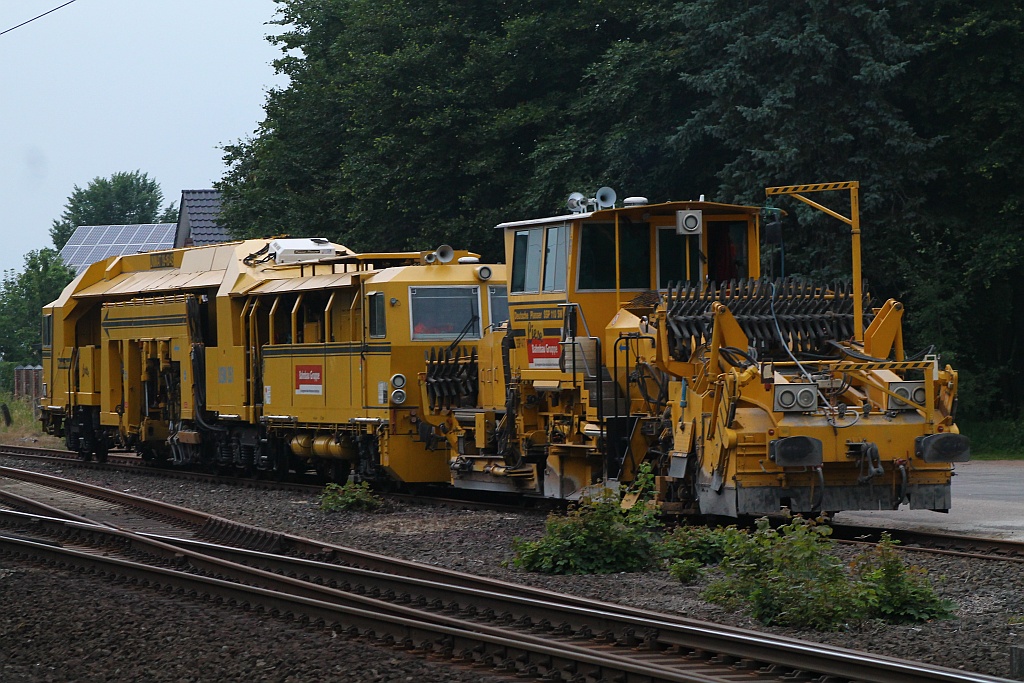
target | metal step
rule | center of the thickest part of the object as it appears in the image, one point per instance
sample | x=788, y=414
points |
x=610, y=391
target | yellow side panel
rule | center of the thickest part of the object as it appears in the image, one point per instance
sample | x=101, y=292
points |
x=89, y=380
x=277, y=371
x=406, y=457
x=145, y=320
x=112, y=386
x=342, y=389
x=226, y=379
x=308, y=383
x=298, y=381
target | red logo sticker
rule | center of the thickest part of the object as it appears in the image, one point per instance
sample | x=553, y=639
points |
x=543, y=353
x=309, y=379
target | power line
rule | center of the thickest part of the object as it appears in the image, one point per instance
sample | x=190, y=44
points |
x=34, y=18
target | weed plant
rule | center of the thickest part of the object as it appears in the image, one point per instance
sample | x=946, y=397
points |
x=597, y=536
x=894, y=591
x=686, y=571
x=688, y=549
x=787, y=577
x=703, y=544
x=790, y=576
x=349, y=496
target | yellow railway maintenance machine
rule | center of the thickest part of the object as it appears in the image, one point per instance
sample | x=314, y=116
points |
x=644, y=333
x=274, y=355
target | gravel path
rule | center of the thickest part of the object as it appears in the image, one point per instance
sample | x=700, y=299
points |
x=58, y=626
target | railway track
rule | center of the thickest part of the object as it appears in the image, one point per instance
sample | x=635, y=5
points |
x=911, y=540
x=512, y=630
x=125, y=462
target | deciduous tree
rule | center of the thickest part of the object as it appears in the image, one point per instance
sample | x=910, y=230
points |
x=125, y=198
x=407, y=124
x=22, y=297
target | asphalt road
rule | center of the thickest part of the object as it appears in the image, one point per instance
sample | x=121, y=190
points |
x=988, y=500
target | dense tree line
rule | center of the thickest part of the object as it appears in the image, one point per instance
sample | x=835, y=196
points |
x=406, y=124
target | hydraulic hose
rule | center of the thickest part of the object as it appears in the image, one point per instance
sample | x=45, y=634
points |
x=816, y=504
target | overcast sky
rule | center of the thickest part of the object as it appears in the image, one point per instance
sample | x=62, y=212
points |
x=102, y=86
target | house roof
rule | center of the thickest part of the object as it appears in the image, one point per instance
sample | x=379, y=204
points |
x=198, y=219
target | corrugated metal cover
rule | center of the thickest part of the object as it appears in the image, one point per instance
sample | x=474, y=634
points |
x=151, y=281
x=180, y=281
x=304, y=283
x=223, y=256
x=210, y=278
x=197, y=260
x=267, y=287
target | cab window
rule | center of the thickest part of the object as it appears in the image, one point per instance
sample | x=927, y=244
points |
x=48, y=330
x=597, y=256
x=678, y=258
x=378, y=324
x=727, y=250
x=498, y=306
x=445, y=313
x=526, y=254
x=555, y=257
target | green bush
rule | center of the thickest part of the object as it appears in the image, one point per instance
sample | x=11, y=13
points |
x=686, y=571
x=895, y=592
x=349, y=496
x=789, y=576
x=597, y=536
x=7, y=377
x=702, y=544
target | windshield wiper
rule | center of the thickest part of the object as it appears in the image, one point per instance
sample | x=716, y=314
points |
x=465, y=330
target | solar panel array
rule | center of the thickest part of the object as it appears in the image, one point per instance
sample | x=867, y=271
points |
x=91, y=243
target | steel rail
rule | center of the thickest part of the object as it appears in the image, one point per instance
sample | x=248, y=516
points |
x=132, y=464
x=217, y=527
x=660, y=631
x=400, y=625
x=656, y=630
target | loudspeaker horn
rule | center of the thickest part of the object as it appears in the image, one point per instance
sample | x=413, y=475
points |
x=576, y=202
x=605, y=198
x=444, y=253
x=431, y=257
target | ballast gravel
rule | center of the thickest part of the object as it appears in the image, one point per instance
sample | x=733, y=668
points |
x=62, y=626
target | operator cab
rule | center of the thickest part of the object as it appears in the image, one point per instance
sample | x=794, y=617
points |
x=606, y=257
